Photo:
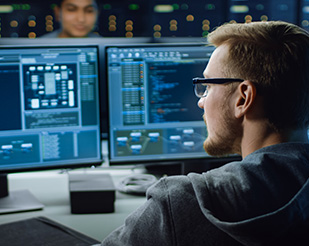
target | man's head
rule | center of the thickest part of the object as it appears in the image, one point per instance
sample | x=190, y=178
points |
x=77, y=17
x=272, y=58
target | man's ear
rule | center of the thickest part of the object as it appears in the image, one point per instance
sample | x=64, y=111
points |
x=57, y=13
x=245, y=98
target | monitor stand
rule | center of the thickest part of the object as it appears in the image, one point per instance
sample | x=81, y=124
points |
x=16, y=201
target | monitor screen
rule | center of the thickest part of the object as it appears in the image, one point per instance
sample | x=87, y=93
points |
x=50, y=107
x=153, y=112
x=50, y=111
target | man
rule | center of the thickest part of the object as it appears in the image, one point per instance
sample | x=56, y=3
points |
x=255, y=97
x=76, y=17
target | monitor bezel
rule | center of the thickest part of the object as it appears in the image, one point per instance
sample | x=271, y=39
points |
x=78, y=163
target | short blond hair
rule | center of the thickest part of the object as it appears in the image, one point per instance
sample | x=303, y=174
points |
x=274, y=55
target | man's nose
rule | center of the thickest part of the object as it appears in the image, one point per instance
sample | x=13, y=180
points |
x=200, y=103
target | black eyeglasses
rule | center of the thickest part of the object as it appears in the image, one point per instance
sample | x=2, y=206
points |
x=200, y=84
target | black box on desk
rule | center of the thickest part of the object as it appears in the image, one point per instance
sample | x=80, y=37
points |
x=91, y=193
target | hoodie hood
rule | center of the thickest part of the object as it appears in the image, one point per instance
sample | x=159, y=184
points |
x=263, y=198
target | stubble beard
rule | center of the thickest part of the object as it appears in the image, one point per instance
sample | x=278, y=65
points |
x=225, y=140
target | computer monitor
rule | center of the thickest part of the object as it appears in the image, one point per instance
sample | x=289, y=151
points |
x=153, y=112
x=50, y=114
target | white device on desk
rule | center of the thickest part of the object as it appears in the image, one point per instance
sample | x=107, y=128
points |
x=136, y=183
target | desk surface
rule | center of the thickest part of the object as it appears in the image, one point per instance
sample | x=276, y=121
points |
x=52, y=189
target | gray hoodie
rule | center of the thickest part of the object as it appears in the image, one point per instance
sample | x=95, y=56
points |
x=261, y=200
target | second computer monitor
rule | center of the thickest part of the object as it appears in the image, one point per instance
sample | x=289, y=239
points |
x=153, y=112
